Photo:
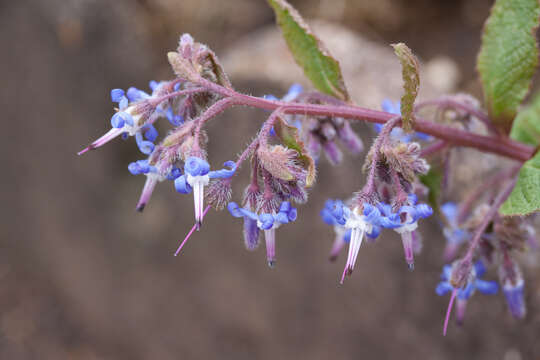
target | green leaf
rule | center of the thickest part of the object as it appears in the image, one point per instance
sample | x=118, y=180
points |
x=433, y=181
x=411, y=83
x=526, y=127
x=309, y=52
x=289, y=137
x=508, y=57
x=525, y=197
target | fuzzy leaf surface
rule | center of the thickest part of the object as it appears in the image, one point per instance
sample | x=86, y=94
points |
x=508, y=57
x=526, y=127
x=411, y=83
x=525, y=198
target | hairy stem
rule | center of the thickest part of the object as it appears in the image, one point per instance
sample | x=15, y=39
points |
x=369, y=188
x=214, y=110
x=503, y=195
x=490, y=144
x=267, y=126
x=472, y=197
x=433, y=148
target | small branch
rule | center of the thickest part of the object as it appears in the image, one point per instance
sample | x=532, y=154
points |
x=503, y=195
x=159, y=100
x=490, y=144
x=470, y=199
x=247, y=151
x=267, y=126
x=214, y=110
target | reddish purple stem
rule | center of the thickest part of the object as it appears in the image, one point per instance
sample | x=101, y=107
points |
x=433, y=148
x=470, y=199
x=487, y=219
x=491, y=144
x=191, y=232
x=449, y=310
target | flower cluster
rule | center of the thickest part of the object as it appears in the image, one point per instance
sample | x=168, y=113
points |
x=369, y=220
x=343, y=235
x=282, y=161
x=473, y=283
x=454, y=234
x=268, y=222
x=134, y=117
x=196, y=176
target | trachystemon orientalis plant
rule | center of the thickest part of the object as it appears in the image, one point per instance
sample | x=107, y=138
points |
x=488, y=228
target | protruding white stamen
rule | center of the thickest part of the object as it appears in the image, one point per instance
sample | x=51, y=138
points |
x=198, y=183
x=358, y=226
x=357, y=236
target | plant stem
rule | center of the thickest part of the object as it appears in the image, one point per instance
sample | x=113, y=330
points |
x=369, y=188
x=449, y=102
x=490, y=144
x=487, y=219
x=214, y=110
x=433, y=148
x=469, y=200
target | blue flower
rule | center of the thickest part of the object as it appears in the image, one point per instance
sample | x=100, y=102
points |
x=405, y=222
x=293, y=92
x=153, y=176
x=463, y=294
x=474, y=283
x=513, y=285
x=327, y=213
x=360, y=222
x=196, y=176
x=265, y=221
x=118, y=96
x=134, y=94
x=343, y=235
x=453, y=234
x=514, y=298
x=130, y=120
x=145, y=146
x=411, y=213
x=173, y=118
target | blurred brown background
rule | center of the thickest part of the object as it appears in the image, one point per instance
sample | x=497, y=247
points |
x=83, y=276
